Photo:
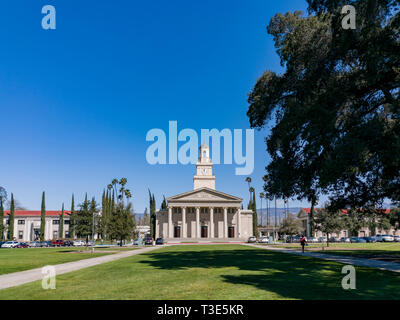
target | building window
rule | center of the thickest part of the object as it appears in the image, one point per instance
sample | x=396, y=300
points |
x=191, y=210
x=66, y=221
x=55, y=234
x=56, y=221
x=21, y=221
x=177, y=210
x=217, y=210
x=204, y=210
x=20, y=235
x=67, y=234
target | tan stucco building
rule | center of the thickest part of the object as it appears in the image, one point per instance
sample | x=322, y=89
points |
x=204, y=213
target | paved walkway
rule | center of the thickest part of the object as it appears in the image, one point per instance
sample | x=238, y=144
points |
x=22, y=277
x=361, y=262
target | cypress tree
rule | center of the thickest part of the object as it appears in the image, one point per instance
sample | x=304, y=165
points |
x=254, y=208
x=1, y=219
x=72, y=219
x=11, y=217
x=42, y=218
x=62, y=223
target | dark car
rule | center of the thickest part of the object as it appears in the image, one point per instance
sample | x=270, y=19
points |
x=22, y=245
x=369, y=239
x=159, y=241
x=148, y=241
x=68, y=243
x=46, y=244
x=1, y=243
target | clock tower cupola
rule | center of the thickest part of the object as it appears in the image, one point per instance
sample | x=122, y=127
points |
x=204, y=177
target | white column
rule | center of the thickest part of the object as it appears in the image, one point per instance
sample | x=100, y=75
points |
x=198, y=235
x=211, y=222
x=170, y=231
x=238, y=223
x=184, y=229
x=225, y=222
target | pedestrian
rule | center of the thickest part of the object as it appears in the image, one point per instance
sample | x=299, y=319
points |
x=303, y=242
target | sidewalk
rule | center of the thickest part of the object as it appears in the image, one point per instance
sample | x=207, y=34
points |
x=19, y=278
x=361, y=262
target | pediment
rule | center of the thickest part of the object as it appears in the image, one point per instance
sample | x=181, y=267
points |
x=204, y=194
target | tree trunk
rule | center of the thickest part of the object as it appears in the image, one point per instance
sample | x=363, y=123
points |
x=327, y=239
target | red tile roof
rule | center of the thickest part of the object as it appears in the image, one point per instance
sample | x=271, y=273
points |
x=344, y=211
x=35, y=213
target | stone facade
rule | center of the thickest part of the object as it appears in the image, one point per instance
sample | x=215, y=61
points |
x=204, y=213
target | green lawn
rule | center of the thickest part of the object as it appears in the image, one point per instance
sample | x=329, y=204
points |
x=378, y=249
x=213, y=272
x=14, y=260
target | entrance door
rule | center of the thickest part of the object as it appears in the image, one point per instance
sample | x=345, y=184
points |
x=177, y=232
x=231, y=232
x=204, y=231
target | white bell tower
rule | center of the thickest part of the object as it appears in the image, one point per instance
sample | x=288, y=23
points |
x=204, y=177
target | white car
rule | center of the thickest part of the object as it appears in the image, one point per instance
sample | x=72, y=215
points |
x=384, y=238
x=79, y=243
x=312, y=240
x=263, y=240
x=396, y=239
x=10, y=244
x=322, y=239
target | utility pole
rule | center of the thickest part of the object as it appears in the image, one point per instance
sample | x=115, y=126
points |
x=275, y=220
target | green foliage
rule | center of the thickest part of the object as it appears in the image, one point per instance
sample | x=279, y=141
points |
x=336, y=106
x=62, y=223
x=329, y=222
x=152, y=202
x=2, y=228
x=43, y=217
x=11, y=217
x=290, y=226
x=73, y=220
x=84, y=219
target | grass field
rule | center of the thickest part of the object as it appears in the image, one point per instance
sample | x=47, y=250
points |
x=213, y=272
x=14, y=260
x=378, y=249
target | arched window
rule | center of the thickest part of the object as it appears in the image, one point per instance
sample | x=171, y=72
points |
x=204, y=153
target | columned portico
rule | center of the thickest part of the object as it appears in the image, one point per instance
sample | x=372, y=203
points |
x=204, y=213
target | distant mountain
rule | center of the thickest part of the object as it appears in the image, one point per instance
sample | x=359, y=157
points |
x=280, y=214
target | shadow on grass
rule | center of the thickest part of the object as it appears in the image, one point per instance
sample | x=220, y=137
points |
x=292, y=277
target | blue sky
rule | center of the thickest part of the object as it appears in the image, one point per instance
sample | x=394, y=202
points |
x=77, y=102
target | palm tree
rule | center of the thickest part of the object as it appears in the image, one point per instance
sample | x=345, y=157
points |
x=248, y=180
x=262, y=196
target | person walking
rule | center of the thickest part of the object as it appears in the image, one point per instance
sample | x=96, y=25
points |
x=303, y=242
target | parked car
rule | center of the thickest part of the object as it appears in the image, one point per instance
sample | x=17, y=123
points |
x=159, y=241
x=9, y=244
x=57, y=243
x=369, y=239
x=91, y=243
x=68, y=243
x=292, y=239
x=263, y=240
x=344, y=239
x=135, y=242
x=79, y=243
x=334, y=239
x=252, y=239
x=46, y=244
x=22, y=245
x=357, y=240
x=1, y=243
x=322, y=239
x=384, y=238
x=35, y=244
x=396, y=238
x=312, y=240
x=148, y=241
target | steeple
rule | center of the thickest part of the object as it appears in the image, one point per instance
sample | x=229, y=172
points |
x=204, y=177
